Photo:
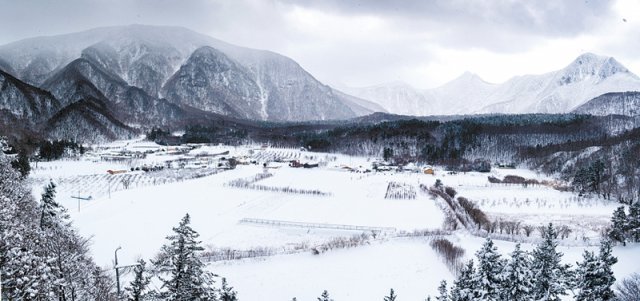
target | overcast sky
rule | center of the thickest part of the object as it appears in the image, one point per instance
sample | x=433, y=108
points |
x=358, y=43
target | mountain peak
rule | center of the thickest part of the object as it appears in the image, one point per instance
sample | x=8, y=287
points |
x=468, y=77
x=591, y=65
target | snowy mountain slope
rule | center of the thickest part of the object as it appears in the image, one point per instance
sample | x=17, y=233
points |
x=146, y=57
x=84, y=79
x=587, y=77
x=455, y=97
x=87, y=120
x=617, y=103
x=397, y=98
x=83, y=76
x=5, y=66
x=358, y=105
x=210, y=81
x=25, y=102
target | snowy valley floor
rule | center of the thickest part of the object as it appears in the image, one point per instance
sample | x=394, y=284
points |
x=136, y=210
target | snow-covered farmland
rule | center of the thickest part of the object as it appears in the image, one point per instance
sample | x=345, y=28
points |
x=278, y=216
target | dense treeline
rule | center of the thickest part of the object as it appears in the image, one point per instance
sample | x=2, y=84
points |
x=567, y=144
x=41, y=255
x=52, y=150
x=536, y=275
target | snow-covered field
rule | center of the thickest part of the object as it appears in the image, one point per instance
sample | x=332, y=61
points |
x=136, y=210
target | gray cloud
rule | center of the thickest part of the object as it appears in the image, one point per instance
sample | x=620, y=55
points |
x=549, y=18
x=504, y=25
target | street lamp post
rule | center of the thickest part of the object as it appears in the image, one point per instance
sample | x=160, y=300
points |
x=117, y=272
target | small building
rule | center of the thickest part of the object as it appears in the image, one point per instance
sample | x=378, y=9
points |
x=429, y=171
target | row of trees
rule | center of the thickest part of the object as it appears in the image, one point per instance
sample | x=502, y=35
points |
x=625, y=227
x=51, y=150
x=539, y=275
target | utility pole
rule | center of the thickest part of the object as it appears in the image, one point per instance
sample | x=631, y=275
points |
x=117, y=272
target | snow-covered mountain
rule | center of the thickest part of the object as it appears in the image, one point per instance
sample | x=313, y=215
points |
x=164, y=62
x=27, y=104
x=587, y=77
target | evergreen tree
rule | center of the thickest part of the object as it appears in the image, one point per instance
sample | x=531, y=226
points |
x=587, y=277
x=633, y=224
x=594, y=277
x=607, y=260
x=179, y=258
x=21, y=164
x=50, y=211
x=618, y=225
x=325, y=296
x=551, y=277
x=487, y=276
x=464, y=287
x=517, y=282
x=596, y=175
x=392, y=296
x=442, y=292
x=137, y=289
x=227, y=293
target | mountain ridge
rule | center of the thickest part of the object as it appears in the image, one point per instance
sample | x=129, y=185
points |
x=560, y=91
x=148, y=57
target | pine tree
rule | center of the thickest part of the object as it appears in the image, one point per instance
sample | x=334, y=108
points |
x=179, y=258
x=464, y=287
x=633, y=224
x=517, y=284
x=618, y=225
x=227, y=293
x=442, y=292
x=21, y=164
x=607, y=260
x=551, y=277
x=325, y=296
x=487, y=276
x=587, y=277
x=51, y=212
x=392, y=296
x=594, y=277
x=137, y=289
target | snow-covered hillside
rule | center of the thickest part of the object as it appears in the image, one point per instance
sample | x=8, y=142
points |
x=561, y=91
x=161, y=62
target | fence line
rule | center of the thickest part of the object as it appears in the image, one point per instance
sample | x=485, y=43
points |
x=278, y=223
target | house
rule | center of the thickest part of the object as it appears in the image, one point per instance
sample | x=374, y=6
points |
x=429, y=171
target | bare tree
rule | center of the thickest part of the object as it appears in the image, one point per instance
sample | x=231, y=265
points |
x=629, y=289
